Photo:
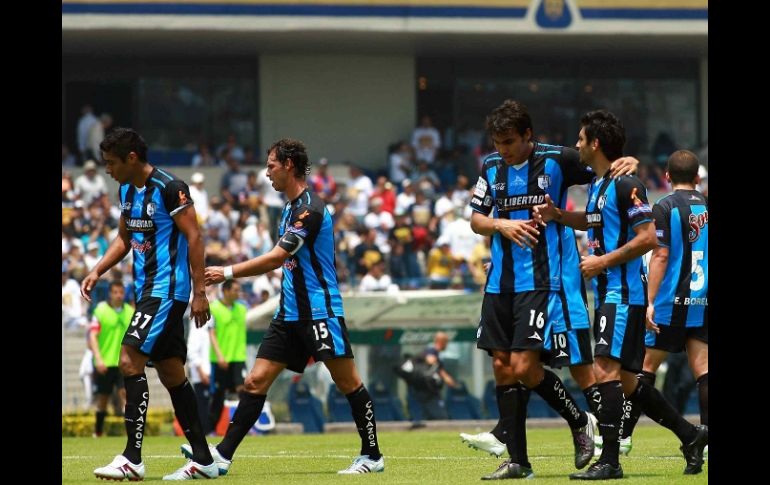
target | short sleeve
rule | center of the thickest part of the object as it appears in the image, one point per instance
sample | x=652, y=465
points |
x=176, y=196
x=632, y=200
x=481, y=199
x=662, y=225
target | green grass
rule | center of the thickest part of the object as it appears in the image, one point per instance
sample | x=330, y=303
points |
x=418, y=457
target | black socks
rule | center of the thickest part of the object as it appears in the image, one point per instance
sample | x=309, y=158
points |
x=609, y=416
x=552, y=390
x=186, y=410
x=632, y=409
x=362, y=408
x=137, y=399
x=246, y=414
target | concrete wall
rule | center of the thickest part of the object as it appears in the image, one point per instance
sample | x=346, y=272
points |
x=344, y=107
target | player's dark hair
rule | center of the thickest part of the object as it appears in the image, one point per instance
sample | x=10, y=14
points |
x=122, y=141
x=287, y=148
x=606, y=127
x=683, y=167
x=228, y=284
x=511, y=115
x=118, y=284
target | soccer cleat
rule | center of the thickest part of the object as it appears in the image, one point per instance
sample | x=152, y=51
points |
x=599, y=471
x=625, y=446
x=194, y=471
x=583, y=440
x=693, y=451
x=484, y=442
x=223, y=464
x=120, y=469
x=362, y=464
x=508, y=469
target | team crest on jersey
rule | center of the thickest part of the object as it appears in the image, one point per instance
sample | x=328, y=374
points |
x=125, y=206
x=602, y=200
x=544, y=181
x=151, y=209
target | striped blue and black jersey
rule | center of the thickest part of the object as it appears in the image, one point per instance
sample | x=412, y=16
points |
x=512, y=192
x=681, y=223
x=614, y=208
x=160, y=250
x=309, y=290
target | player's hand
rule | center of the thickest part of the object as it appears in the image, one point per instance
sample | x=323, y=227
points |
x=591, y=266
x=650, y=320
x=543, y=213
x=623, y=166
x=222, y=364
x=88, y=284
x=199, y=309
x=213, y=275
x=523, y=233
x=101, y=368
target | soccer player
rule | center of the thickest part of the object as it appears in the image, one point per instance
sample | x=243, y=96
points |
x=227, y=351
x=157, y=222
x=677, y=313
x=309, y=320
x=109, y=324
x=620, y=230
x=521, y=297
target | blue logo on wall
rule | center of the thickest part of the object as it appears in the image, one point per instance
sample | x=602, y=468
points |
x=553, y=14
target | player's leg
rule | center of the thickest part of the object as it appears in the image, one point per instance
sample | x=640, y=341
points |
x=698, y=355
x=217, y=390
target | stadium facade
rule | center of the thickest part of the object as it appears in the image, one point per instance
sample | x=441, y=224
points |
x=350, y=77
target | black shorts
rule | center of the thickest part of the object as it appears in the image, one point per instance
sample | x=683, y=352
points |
x=673, y=339
x=157, y=329
x=572, y=347
x=516, y=321
x=229, y=378
x=619, y=334
x=293, y=343
x=105, y=383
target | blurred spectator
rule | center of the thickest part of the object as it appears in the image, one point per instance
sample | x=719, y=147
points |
x=426, y=179
x=89, y=185
x=203, y=157
x=376, y=279
x=96, y=135
x=359, y=190
x=426, y=140
x=273, y=202
x=323, y=182
x=73, y=306
x=366, y=254
x=85, y=123
x=400, y=161
x=92, y=255
x=480, y=257
x=405, y=199
x=382, y=222
x=249, y=156
x=440, y=264
x=703, y=184
x=384, y=191
x=67, y=158
x=200, y=197
x=231, y=148
x=250, y=198
x=404, y=266
x=255, y=238
x=199, y=367
x=233, y=181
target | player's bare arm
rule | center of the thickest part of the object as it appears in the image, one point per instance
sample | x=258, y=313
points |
x=119, y=247
x=623, y=166
x=546, y=212
x=644, y=240
x=522, y=232
x=256, y=266
x=187, y=222
x=655, y=273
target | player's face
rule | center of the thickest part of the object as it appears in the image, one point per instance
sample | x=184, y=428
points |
x=513, y=147
x=277, y=172
x=584, y=148
x=118, y=169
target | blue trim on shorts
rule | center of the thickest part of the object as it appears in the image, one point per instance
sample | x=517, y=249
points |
x=336, y=329
x=158, y=325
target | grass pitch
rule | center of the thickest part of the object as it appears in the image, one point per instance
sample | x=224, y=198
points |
x=411, y=457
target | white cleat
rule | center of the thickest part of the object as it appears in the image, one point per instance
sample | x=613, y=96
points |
x=362, y=464
x=485, y=442
x=706, y=453
x=222, y=463
x=121, y=469
x=194, y=471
